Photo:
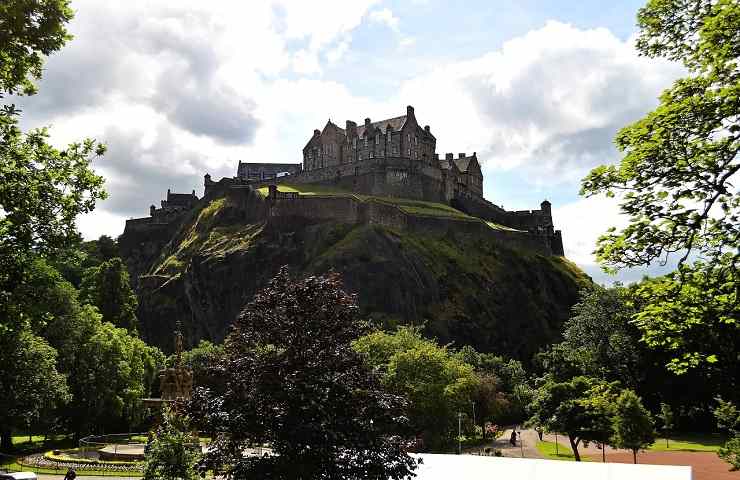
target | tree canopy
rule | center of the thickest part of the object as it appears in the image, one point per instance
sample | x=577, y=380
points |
x=677, y=183
x=292, y=380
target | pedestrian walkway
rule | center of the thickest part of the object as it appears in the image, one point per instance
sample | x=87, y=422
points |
x=526, y=445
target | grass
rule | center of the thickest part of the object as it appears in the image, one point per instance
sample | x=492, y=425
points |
x=690, y=442
x=412, y=207
x=547, y=449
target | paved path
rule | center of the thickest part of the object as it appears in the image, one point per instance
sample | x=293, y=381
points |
x=528, y=449
x=84, y=477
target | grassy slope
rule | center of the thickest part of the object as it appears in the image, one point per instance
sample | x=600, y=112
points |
x=464, y=290
x=695, y=442
x=413, y=207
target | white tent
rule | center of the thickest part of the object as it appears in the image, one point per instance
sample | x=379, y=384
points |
x=473, y=467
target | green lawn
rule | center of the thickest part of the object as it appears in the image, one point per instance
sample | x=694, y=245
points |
x=564, y=453
x=690, y=442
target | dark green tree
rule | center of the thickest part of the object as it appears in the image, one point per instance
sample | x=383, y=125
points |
x=29, y=31
x=578, y=407
x=677, y=184
x=600, y=338
x=107, y=287
x=666, y=420
x=633, y=427
x=728, y=420
x=31, y=387
x=436, y=382
x=174, y=451
x=293, y=380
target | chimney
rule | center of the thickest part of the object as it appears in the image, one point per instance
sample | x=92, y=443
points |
x=546, y=207
x=409, y=110
x=316, y=133
x=449, y=156
x=152, y=208
x=426, y=128
x=367, y=122
x=460, y=155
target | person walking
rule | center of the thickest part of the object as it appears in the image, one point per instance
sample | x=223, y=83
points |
x=71, y=474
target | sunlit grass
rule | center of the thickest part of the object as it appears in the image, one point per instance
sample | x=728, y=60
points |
x=547, y=449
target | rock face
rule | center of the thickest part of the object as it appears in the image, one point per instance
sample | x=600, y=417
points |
x=461, y=289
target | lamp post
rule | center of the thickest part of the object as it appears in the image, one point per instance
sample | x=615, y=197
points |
x=556, y=436
x=459, y=433
x=474, y=424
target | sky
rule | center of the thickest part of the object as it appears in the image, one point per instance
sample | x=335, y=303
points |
x=177, y=89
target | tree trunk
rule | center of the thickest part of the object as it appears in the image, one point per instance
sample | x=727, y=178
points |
x=634, y=455
x=574, y=447
x=6, y=441
x=603, y=453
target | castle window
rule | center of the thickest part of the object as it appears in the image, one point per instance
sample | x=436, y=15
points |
x=365, y=139
x=416, y=140
x=354, y=143
x=389, y=136
x=377, y=139
x=371, y=154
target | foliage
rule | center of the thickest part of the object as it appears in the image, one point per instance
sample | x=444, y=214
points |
x=292, y=380
x=730, y=453
x=29, y=30
x=29, y=381
x=599, y=337
x=200, y=359
x=107, y=287
x=437, y=383
x=174, y=451
x=579, y=407
x=676, y=182
x=666, y=419
x=633, y=427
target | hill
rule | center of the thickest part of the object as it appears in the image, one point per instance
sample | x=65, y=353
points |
x=464, y=289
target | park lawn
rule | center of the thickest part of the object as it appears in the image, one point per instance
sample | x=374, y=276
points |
x=37, y=444
x=564, y=453
x=690, y=442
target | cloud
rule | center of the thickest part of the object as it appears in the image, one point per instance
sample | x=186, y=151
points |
x=549, y=101
x=385, y=16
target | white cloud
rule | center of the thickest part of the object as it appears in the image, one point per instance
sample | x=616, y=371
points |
x=549, y=101
x=406, y=42
x=385, y=16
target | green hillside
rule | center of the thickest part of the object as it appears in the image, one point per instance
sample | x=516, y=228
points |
x=463, y=290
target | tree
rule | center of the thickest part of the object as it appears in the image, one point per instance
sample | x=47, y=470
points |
x=437, y=383
x=633, y=427
x=728, y=419
x=292, y=380
x=107, y=287
x=200, y=360
x=579, y=407
x=666, y=418
x=31, y=387
x=174, y=451
x=677, y=184
x=599, y=336
x=42, y=189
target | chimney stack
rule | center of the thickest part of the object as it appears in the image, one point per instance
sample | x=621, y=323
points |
x=460, y=155
x=426, y=128
x=449, y=156
x=367, y=122
x=409, y=110
x=316, y=132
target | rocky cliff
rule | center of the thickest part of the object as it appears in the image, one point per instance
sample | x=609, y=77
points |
x=462, y=289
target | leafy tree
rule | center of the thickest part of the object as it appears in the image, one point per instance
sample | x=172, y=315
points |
x=633, y=427
x=31, y=387
x=107, y=287
x=666, y=418
x=599, y=336
x=42, y=189
x=174, y=451
x=578, y=407
x=728, y=419
x=29, y=30
x=677, y=180
x=292, y=380
x=200, y=360
x=112, y=372
x=437, y=383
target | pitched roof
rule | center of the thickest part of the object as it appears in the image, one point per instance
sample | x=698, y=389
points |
x=463, y=164
x=396, y=124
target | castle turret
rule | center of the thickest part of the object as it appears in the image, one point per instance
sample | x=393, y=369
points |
x=152, y=209
x=546, y=207
x=409, y=111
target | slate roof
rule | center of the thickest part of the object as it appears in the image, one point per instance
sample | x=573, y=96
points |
x=463, y=163
x=396, y=124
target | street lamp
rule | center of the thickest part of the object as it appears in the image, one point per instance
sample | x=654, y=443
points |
x=553, y=419
x=459, y=433
x=473, y=404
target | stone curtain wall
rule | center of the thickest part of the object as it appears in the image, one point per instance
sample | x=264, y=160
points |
x=354, y=211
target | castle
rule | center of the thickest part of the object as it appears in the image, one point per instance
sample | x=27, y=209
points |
x=395, y=157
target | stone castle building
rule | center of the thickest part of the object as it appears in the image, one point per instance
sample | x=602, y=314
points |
x=395, y=157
